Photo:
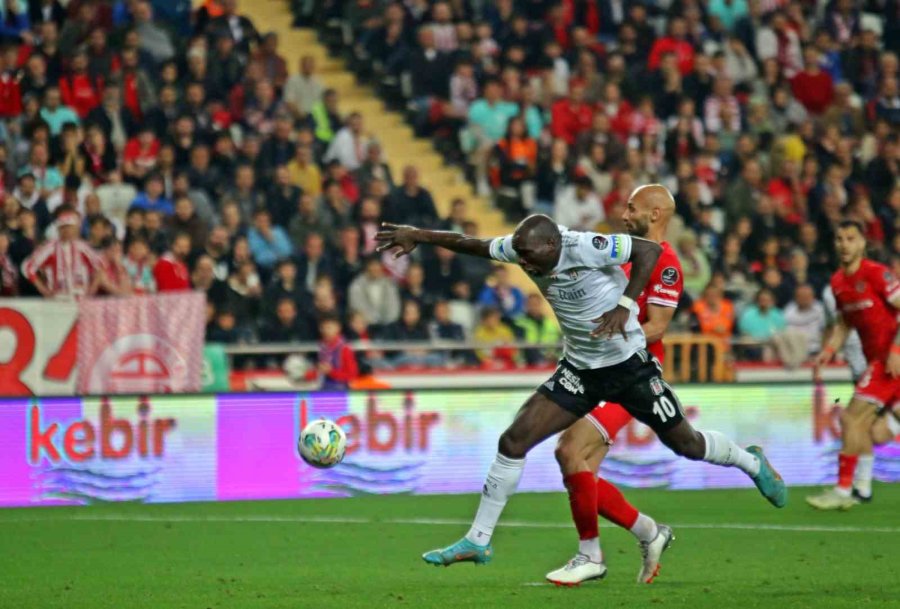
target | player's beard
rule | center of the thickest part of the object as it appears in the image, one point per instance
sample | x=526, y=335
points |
x=638, y=229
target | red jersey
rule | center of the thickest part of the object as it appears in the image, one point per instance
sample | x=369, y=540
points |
x=863, y=299
x=663, y=289
x=171, y=274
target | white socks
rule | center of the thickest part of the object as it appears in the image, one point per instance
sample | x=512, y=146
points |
x=722, y=451
x=644, y=528
x=502, y=481
x=591, y=549
x=862, y=478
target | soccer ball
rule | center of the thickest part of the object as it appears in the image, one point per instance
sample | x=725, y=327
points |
x=322, y=443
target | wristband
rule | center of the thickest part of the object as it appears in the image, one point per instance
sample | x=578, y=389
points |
x=626, y=302
x=895, y=349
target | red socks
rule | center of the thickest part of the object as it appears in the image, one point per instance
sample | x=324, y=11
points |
x=846, y=469
x=582, y=489
x=612, y=505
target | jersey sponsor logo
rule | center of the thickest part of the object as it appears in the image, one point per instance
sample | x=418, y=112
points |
x=599, y=242
x=616, y=246
x=669, y=275
x=861, y=286
x=570, y=381
x=661, y=290
x=861, y=305
x=570, y=295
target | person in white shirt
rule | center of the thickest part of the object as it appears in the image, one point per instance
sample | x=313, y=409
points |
x=349, y=144
x=604, y=357
x=303, y=90
x=806, y=316
x=578, y=206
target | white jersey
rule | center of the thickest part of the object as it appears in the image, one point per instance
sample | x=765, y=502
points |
x=585, y=283
x=853, y=351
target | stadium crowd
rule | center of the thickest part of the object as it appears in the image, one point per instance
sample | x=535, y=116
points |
x=143, y=150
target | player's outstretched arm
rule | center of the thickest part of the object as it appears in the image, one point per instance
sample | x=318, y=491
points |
x=839, y=334
x=406, y=238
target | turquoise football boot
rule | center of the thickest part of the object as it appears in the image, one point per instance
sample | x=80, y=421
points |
x=769, y=481
x=461, y=551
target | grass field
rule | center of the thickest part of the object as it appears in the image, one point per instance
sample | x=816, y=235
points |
x=731, y=550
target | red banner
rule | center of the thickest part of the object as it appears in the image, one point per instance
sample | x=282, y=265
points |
x=145, y=344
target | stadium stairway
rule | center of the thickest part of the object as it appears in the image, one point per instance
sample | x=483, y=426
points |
x=400, y=145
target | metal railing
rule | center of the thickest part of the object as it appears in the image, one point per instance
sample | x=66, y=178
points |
x=689, y=357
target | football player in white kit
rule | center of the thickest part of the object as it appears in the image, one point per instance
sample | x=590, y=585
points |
x=603, y=357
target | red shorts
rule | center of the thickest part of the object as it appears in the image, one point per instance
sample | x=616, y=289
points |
x=608, y=418
x=877, y=387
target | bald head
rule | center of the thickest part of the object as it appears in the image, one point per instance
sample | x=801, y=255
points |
x=649, y=210
x=537, y=243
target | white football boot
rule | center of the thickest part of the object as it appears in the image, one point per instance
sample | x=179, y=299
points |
x=652, y=551
x=831, y=499
x=579, y=569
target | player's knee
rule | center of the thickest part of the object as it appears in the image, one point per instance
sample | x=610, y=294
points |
x=512, y=446
x=567, y=453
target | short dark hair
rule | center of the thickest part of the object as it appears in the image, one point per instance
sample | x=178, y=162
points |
x=852, y=224
x=328, y=317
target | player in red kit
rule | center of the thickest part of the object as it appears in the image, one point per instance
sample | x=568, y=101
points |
x=868, y=300
x=583, y=446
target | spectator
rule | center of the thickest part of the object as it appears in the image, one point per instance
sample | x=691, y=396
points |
x=694, y=264
x=9, y=274
x=186, y=220
x=535, y=327
x=78, y=90
x=154, y=39
x=171, y=271
x=675, y=42
x=488, y=117
x=414, y=289
x=326, y=116
x=812, y=86
x=806, y=316
x=140, y=155
x=282, y=198
x=139, y=265
x=492, y=332
x=286, y=326
x=153, y=198
x=374, y=295
x=713, y=314
x=571, y=115
x=578, y=206
x=244, y=192
x=411, y=203
x=268, y=243
x=373, y=168
x=65, y=266
x=304, y=173
x=284, y=285
x=410, y=328
x=55, y=113
x=337, y=366
x=314, y=263
x=303, y=89
x=309, y=219
x=499, y=293
x=443, y=270
x=349, y=144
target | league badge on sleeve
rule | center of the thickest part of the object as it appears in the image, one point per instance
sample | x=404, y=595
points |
x=599, y=242
x=669, y=275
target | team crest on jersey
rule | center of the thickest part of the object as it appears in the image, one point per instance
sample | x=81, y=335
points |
x=669, y=275
x=860, y=286
x=573, y=274
x=656, y=386
x=599, y=242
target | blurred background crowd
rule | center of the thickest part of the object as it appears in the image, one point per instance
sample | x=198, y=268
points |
x=147, y=147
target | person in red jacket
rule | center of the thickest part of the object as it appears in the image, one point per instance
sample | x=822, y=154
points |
x=79, y=91
x=171, y=271
x=337, y=363
x=676, y=42
x=813, y=87
x=571, y=116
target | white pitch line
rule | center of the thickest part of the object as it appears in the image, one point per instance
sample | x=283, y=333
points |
x=513, y=524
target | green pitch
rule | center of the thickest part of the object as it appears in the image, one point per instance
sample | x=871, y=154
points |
x=731, y=551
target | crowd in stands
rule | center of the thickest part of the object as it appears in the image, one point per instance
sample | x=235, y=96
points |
x=147, y=150
x=770, y=121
